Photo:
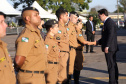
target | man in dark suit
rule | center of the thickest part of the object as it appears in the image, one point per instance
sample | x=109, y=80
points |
x=109, y=45
x=90, y=32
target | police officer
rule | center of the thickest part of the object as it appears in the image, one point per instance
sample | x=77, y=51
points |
x=7, y=75
x=31, y=57
x=73, y=41
x=78, y=65
x=52, y=51
x=63, y=43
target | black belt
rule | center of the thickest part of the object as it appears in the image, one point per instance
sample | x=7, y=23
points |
x=53, y=62
x=27, y=71
x=65, y=51
x=79, y=49
x=72, y=47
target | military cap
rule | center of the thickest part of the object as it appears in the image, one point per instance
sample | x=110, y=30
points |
x=75, y=13
x=29, y=8
x=1, y=13
x=48, y=24
x=51, y=22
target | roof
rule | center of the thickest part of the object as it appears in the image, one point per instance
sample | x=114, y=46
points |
x=43, y=13
x=8, y=9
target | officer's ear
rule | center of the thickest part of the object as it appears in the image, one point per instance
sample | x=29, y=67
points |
x=61, y=16
x=51, y=29
x=27, y=18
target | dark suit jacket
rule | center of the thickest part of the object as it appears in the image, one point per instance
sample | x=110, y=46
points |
x=109, y=36
x=89, y=28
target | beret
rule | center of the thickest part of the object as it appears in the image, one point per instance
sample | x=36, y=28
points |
x=50, y=22
x=75, y=13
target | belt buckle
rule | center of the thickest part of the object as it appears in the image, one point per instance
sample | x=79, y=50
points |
x=36, y=71
x=41, y=72
x=28, y=71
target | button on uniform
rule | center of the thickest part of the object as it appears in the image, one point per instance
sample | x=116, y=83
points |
x=73, y=45
x=52, y=58
x=63, y=42
x=79, y=52
x=31, y=45
x=6, y=69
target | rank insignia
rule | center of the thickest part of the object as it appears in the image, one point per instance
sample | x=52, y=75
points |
x=80, y=34
x=25, y=39
x=36, y=41
x=59, y=31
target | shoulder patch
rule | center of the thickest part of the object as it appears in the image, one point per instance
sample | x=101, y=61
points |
x=47, y=46
x=25, y=39
x=59, y=31
x=80, y=34
x=68, y=29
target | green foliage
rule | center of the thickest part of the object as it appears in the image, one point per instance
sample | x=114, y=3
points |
x=55, y=4
x=123, y=4
x=26, y=3
x=121, y=10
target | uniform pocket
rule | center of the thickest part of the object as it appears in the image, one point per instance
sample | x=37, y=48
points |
x=37, y=49
x=1, y=74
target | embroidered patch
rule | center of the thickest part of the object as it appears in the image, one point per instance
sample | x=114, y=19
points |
x=68, y=29
x=25, y=39
x=59, y=31
x=47, y=46
x=80, y=34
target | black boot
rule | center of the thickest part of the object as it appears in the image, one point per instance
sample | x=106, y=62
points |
x=76, y=76
x=69, y=80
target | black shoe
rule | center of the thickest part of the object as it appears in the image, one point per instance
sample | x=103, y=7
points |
x=69, y=80
x=92, y=52
x=76, y=76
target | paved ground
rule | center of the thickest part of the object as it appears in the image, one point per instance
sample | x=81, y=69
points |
x=95, y=69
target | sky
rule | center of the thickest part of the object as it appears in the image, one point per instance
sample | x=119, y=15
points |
x=110, y=5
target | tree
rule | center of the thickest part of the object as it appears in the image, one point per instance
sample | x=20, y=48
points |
x=123, y=5
x=121, y=10
x=55, y=4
